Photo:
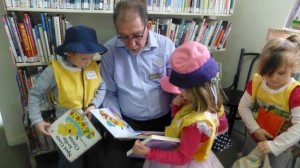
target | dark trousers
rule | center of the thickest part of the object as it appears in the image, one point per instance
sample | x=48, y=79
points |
x=115, y=150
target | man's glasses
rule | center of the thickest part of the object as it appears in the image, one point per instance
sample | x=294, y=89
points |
x=133, y=38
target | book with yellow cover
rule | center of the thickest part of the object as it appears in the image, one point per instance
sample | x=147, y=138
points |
x=74, y=134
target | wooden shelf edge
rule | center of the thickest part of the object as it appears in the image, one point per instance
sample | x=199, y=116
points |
x=50, y=10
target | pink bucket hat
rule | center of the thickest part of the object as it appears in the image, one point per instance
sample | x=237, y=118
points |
x=192, y=65
x=167, y=86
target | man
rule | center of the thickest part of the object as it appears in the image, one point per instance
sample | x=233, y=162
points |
x=136, y=60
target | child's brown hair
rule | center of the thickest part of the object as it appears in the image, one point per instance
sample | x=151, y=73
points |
x=276, y=53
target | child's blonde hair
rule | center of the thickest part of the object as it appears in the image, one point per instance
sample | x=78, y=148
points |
x=276, y=53
x=203, y=98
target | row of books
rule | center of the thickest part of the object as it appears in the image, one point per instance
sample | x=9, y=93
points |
x=181, y=6
x=39, y=143
x=64, y=4
x=192, y=6
x=26, y=80
x=35, y=42
x=211, y=33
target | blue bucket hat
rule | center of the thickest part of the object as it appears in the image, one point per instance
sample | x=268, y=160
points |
x=80, y=39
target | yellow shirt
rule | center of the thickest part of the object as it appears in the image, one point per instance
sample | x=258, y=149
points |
x=185, y=117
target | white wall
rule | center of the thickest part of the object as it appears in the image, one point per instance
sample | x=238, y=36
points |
x=250, y=22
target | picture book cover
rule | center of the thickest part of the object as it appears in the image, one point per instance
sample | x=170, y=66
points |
x=159, y=142
x=118, y=127
x=73, y=134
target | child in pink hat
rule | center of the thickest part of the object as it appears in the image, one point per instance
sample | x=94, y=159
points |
x=197, y=76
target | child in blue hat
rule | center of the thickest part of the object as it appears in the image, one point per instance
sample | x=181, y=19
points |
x=74, y=80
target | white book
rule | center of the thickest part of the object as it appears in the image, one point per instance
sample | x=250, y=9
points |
x=74, y=134
x=8, y=3
x=12, y=46
x=119, y=127
x=43, y=42
x=158, y=142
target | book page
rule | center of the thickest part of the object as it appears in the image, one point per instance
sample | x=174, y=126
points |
x=118, y=127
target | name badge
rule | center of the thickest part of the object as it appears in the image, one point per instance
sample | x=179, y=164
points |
x=91, y=75
x=155, y=76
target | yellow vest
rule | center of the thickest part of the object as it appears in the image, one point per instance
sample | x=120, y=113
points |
x=271, y=111
x=76, y=89
x=186, y=117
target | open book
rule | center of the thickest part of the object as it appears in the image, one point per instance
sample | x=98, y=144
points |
x=73, y=134
x=159, y=142
x=118, y=127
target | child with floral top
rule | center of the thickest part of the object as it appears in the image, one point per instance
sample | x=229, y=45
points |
x=270, y=106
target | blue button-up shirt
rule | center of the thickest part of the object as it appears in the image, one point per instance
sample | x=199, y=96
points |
x=133, y=81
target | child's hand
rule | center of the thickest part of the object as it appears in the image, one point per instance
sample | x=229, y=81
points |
x=264, y=147
x=139, y=148
x=262, y=135
x=87, y=111
x=43, y=127
x=179, y=100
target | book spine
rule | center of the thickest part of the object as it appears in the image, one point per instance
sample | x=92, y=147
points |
x=224, y=39
x=43, y=42
x=28, y=27
x=16, y=58
x=25, y=40
x=39, y=44
x=15, y=38
x=8, y=3
x=22, y=96
x=52, y=37
x=23, y=85
x=57, y=32
x=18, y=38
x=45, y=34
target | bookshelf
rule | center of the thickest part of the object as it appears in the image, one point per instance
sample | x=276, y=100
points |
x=209, y=11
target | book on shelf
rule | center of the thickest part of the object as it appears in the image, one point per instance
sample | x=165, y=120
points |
x=45, y=35
x=158, y=142
x=28, y=28
x=25, y=40
x=73, y=134
x=14, y=31
x=43, y=42
x=16, y=58
x=227, y=28
x=118, y=127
